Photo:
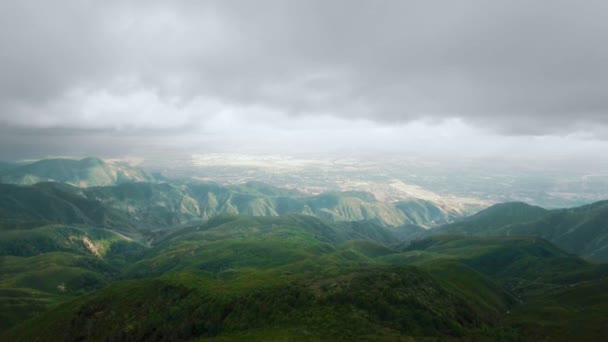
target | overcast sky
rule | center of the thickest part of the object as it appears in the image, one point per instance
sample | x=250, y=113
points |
x=113, y=78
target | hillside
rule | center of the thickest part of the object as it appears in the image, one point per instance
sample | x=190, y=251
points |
x=582, y=230
x=494, y=218
x=83, y=173
x=406, y=302
x=51, y=264
x=426, y=213
x=296, y=277
x=24, y=207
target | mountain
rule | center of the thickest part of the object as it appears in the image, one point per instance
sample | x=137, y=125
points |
x=508, y=213
x=132, y=207
x=197, y=261
x=83, y=173
x=153, y=203
x=582, y=230
x=493, y=219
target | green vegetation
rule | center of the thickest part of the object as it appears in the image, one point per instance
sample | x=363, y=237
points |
x=43, y=266
x=582, y=230
x=295, y=278
x=425, y=213
x=139, y=208
x=368, y=303
x=194, y=261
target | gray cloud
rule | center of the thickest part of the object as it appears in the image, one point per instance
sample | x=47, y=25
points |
x=517, y=67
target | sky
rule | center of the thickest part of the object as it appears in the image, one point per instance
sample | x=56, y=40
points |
x=524, y=79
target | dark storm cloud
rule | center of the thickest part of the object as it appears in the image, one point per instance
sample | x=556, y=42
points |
x=518, y=67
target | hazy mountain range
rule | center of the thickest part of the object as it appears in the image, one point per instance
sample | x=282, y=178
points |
x=141, y=198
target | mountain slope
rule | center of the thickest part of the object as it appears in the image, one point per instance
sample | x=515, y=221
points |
x=426, y=213
x=582, y=230
x=494, y=218
x=44, y=203
x=506, y=259
x=85, y=172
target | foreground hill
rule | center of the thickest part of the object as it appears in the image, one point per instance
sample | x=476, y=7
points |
x=287, y=276
x=296, y=277
x=582, y=230
x=40, y=266
x=84, y=173
x=381, y=302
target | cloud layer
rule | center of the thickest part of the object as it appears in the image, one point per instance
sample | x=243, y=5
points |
x=513, y=67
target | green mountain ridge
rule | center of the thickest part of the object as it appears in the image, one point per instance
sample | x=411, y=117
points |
x=581, y=230
x=84, y=173
x=149, y=206
x=180, y=201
